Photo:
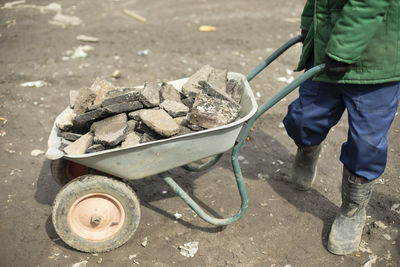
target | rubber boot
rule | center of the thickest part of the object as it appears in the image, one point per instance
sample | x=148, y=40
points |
x=305, y=166
x=346, y=231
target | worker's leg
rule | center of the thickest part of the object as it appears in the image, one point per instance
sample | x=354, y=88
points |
x=309, y=119
x=371, y=111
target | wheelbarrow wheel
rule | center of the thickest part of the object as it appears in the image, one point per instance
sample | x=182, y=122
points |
x=64, y=171
x=95, y=213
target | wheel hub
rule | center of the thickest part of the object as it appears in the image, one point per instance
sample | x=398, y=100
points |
x=96, y=216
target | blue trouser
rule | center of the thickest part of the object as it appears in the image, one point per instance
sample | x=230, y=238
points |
x=371, y=109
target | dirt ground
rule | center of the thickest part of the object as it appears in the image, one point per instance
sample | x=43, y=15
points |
x=282, y=227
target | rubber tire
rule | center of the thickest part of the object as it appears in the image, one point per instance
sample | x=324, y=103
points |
x=88, y=184
x=59, y=171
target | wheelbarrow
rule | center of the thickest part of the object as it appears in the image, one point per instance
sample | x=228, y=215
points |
x=96, y=211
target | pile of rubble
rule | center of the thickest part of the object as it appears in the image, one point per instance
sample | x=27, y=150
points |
x=104, y=117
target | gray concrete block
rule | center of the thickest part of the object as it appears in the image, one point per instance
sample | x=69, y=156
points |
x=73, y=96
x=218, y=79
x=84, y=100
x=160, y=121
x=101, y=88
x=146, y=138
x=79, y=146
x=132, y=139
x=65, y=120
x=174, y=108
x=121, y=95
x=110, y=131
x=181, y=121
x=150, y=94
x=212, y=92
x=131, y=126
x=135, y=115
x=191, y=88
x=69, y=136
x=235, y=90
x=169, y=92
x=123, y=107
x=209, y=112
x=95, y=148
x=90, y=116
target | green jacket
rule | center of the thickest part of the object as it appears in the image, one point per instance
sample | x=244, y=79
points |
x=364, y=32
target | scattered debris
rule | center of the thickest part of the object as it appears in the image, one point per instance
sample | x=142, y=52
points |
x=13, y=4
x=144, y=242
x=80, y=264
x=365, y=250
x=372, y=260
x=88, y=39
x=116, y=74
x=65, y=20
x=100, y=260
x=380, y=224
x=134, y=15
x=177, y=215
x=132, y=256
x=80, y=51
x=207, y=28
x=388, y=255
x=189, y=249
x=36, y=84
x=36, y=152
x=387, y=237
x=144, y=52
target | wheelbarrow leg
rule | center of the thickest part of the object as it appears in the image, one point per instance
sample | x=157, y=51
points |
x=199, y=211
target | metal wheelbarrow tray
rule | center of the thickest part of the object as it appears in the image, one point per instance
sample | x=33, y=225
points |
x=158, y=156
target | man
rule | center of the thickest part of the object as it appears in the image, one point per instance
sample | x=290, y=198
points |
x=359, y=41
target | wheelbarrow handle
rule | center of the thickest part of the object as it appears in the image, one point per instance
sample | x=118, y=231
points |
x=273, y=56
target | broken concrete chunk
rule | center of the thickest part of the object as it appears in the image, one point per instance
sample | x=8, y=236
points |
x=79, y=146
x=160, y=122
x=64, y=144
x=121, y=95
x=235, y=90
x=209, y=90
x=217, y=80
x=95, y=148
x=132, y=139
x=169, y=92
x=131, y=126
x=146, y=138
x=175, y=109
x=70, y=136
x=209, y=112
x=110, y=131
x=90, y=116
x=73, y=96
x=188, y=102
x=123, y=107
x=150, y=94
x=84, y=100
x=191, y=87
x=64, y=121
x=194, y=128
x=181, y=121
x=184, y=130
x=100, y=88
x=134, y=115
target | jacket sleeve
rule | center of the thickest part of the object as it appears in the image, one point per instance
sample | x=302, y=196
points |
x=356, y=25
x=307, y=15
